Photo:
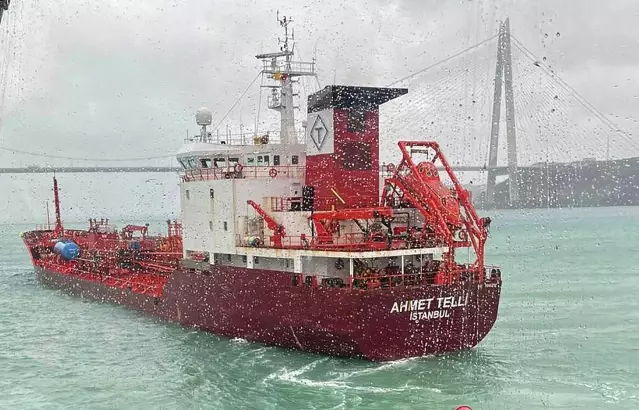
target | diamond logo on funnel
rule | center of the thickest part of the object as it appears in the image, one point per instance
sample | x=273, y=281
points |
x=319, y=133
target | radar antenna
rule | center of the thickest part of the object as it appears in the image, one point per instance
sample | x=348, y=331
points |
x=204, y=117
x=281, y=68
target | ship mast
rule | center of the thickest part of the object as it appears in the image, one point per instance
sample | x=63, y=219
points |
x=59, y=230
x=281, y=68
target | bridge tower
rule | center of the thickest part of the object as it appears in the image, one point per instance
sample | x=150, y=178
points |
x=279, y=66
x=4, y=6
x=503, y=79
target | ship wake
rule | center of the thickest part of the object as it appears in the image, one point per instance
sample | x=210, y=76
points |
x=342, y=381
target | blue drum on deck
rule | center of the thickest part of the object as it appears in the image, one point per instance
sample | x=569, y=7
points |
x=69, y=250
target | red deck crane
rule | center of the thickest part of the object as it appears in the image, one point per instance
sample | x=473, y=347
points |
x=419, y=184
x=278, y=230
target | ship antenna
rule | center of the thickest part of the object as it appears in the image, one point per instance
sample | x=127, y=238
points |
x=48, y=217
x=279, y=66
x=59, y=230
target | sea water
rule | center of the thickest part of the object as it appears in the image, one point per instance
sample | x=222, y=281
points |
x=567, y=337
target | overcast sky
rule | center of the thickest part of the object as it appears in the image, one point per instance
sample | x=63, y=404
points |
x=122, y=79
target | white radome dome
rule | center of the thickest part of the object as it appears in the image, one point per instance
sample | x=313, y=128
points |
x=204, y=116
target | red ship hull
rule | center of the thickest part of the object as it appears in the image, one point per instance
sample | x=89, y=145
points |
x=263, y=306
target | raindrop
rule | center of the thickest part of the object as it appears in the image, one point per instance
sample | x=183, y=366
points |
x=546, y=35
x=544, y=58
x=558, y=35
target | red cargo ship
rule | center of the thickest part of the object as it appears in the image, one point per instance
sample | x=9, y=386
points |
x=304, y=245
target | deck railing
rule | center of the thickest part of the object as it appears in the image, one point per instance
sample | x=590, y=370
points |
x=283, y=204
x=344, y=242
x=244, y=138
x=256, y=172
x=393, y=278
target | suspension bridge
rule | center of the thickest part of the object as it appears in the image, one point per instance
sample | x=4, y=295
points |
x=465, y=102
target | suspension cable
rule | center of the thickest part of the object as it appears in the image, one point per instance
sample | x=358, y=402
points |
x=237, y=101
x=566, y=86
x=35, y=154
x=442, y=61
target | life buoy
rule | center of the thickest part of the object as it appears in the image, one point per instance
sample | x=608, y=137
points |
x=463, y=236
x=390, y=168
x=238, y=168
x=273, y=172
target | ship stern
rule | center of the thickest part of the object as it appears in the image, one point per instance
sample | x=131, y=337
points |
x=414, y=322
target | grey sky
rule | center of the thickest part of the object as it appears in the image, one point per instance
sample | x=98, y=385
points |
x=123, y=78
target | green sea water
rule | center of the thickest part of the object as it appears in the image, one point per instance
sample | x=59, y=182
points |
x=567, y=337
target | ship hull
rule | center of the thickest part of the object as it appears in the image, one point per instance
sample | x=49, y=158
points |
x=263, y=306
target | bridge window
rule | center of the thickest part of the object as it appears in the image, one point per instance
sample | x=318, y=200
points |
x=192, y=163
x=276, y=160
x=356, y=120
x=206, y=162
x=219, y=162
x=295, y=160
x=250, y=161
x=356, y=156
x=263, y=161
x=182, y=163
x=233, y=162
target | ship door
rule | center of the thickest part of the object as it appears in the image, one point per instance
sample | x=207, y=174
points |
x=295, y=196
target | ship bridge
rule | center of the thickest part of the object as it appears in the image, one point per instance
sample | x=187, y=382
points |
x=201, y=161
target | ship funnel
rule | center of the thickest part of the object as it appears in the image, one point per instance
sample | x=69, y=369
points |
x=342, y=145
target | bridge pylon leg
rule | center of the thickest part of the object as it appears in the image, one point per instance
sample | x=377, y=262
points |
x=503, y=78
x=511, y=131
x=496, y=118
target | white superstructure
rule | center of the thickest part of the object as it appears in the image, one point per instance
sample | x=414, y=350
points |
x=236, y=197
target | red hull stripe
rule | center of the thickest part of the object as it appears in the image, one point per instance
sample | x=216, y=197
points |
x=262, y=306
